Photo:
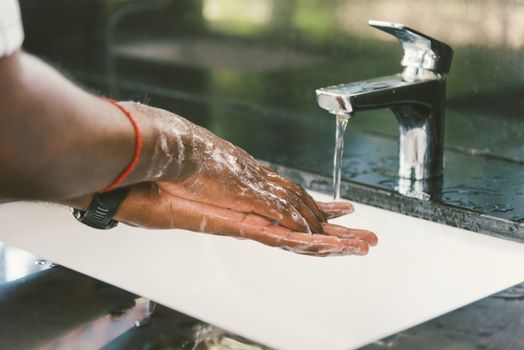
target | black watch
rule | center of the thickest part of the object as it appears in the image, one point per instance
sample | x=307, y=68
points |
x=103, y=207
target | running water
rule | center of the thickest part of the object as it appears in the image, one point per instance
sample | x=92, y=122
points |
x=342, y=122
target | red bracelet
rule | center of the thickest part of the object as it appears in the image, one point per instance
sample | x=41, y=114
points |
x=138, y=147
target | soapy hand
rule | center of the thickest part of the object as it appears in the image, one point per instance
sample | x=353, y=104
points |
x=155, y=205
x=200, y=182
x=194, y=180
x=192, y=163
x=185, y=177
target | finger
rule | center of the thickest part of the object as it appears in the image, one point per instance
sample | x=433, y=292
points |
x=323, y=254
x=263, y=180
x=160, y=209
x=301, y=243
x=299, y=192
x=284, y=213
x=312, y=221
x=335, y=209
x=259, y=229
x=184, y=213
x=343, y=232
x=304, y=210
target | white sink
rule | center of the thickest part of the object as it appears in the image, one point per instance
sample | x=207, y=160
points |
x=418, y=271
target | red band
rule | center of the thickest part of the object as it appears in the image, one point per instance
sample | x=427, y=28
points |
x=138, y=147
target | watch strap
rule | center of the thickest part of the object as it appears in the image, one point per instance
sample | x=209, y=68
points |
x=102, y=208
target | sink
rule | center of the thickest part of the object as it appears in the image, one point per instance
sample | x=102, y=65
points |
x=419, y=270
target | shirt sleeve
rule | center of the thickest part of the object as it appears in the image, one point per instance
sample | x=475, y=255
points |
x=11, y=31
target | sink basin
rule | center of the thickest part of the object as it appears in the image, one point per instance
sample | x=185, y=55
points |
x=418, y=271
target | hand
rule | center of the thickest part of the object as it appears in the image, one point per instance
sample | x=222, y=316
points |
x=192, y=163
x=200, y=182
x=151, y=205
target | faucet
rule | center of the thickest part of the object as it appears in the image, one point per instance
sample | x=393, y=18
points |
x=416, y=96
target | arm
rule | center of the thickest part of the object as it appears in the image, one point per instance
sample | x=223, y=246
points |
x=58, y=142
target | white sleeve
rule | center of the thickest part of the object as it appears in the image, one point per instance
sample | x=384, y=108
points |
x=11, y=32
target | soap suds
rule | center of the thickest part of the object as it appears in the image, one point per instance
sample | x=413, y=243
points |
x=203, y=225
x=164, y=158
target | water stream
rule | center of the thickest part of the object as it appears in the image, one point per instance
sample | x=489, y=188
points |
x=342, y=122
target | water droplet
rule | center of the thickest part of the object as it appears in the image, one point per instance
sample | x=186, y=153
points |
x=388, y=342
x=388, y=182
x=510, y=294
x=500, y=208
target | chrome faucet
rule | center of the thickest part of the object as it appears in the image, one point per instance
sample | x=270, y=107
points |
x=416, y=96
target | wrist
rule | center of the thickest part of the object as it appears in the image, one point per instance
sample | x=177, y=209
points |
x=137, y=151
x=140, y=172
x=167, y=144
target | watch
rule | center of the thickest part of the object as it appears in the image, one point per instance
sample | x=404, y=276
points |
x=102, y=208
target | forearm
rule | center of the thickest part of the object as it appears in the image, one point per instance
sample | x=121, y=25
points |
x=58, y=141
x=55, y=138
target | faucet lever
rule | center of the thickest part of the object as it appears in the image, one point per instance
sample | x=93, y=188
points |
x=420, y=50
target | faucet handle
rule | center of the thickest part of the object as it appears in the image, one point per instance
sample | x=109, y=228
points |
x=420, y=50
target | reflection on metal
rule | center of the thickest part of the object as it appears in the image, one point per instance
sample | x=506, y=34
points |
x=420, y=51
x=416, y=96
x=421, y=189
